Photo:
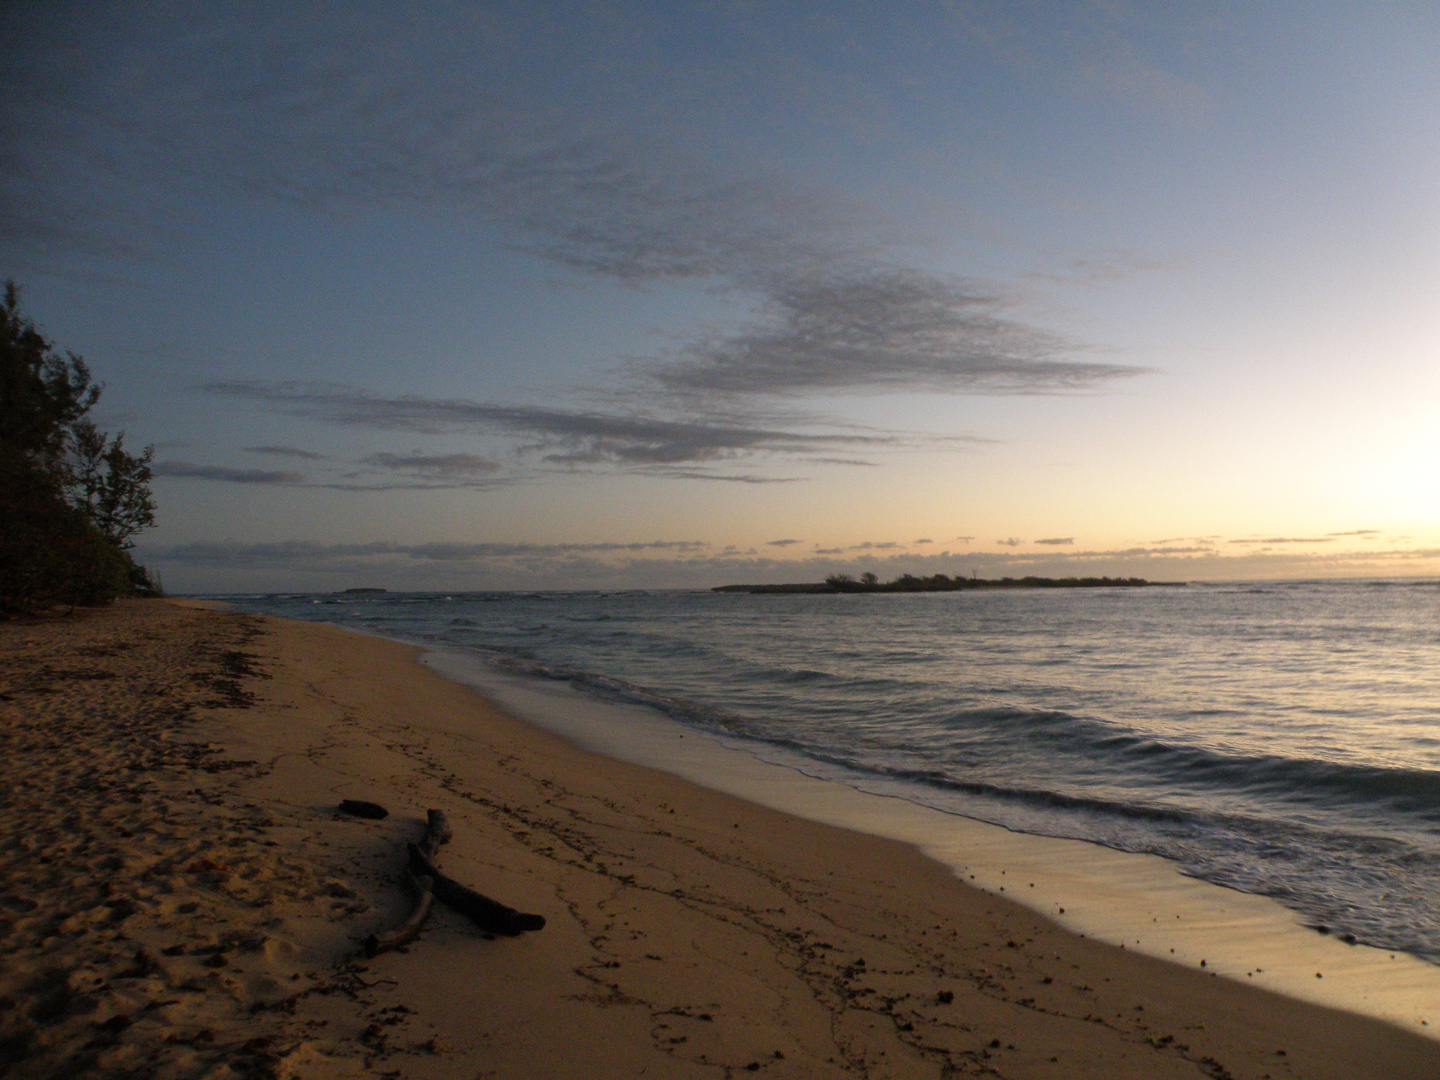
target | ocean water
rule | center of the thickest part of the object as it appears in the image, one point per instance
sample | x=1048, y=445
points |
x=1280, y=739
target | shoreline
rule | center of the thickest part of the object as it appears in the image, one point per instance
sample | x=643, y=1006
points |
x=1134, y=901
x=690, y=933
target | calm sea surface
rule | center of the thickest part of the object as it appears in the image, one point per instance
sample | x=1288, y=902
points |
x=1279, y=739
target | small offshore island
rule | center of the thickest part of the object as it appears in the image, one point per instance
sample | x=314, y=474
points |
x=869, y=583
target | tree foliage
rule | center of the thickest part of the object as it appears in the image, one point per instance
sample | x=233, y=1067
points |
x=71, y=497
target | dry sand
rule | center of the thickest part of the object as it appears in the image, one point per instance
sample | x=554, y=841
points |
x=179, y=897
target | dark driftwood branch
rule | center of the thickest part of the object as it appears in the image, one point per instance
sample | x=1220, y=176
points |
x=375, y=944
x=430, y=885
x=437, y=832
x=361, y=808
x=490, y=915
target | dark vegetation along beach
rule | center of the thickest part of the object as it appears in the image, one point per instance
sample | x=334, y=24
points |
x=909, y=583
x=72, y=498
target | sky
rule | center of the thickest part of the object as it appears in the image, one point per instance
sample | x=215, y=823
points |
x=470, y=295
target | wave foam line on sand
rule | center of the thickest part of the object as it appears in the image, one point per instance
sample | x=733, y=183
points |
x=180, y=898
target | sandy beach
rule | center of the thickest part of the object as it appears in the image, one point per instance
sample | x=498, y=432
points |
x=181, y=897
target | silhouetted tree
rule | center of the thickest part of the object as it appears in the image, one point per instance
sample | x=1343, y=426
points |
x=71, y=498
x=114, y=486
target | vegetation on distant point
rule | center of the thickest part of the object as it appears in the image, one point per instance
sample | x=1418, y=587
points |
x=869, y=583
x=71, y=497
x=941, y=583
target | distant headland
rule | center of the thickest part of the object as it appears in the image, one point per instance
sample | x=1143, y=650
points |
x=869, y=583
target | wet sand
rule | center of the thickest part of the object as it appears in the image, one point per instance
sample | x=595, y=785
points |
x=1141, y=902
x=180, y=897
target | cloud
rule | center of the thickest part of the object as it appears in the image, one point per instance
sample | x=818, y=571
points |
x=285, y=451
x=927, y=540
x=781, y=543
x=330, y=114
x=1104, y=268
x=1109, y=48
x=417, y=472
x=567, y=438
x=1013, y=541
x=420, y=472
x=880, y=327
x=1143, y=83
x=308, y=553
x=290, y=116
x=443, y=466
x=676, y=473
x=226, y=475
x=614, y=213
x=1146, y=552
x=1290, y=540
x=1356, y=532
x=354, y=482
x=1057, y=541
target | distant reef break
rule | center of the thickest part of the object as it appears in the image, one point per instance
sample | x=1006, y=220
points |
x=868, y=583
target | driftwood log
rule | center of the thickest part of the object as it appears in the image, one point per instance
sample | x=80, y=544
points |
x=429, y=884
x=490, y=915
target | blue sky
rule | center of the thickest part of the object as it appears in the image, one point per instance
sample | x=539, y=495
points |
x=583, y=295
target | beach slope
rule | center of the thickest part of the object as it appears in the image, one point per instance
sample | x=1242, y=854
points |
x=179, y=896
